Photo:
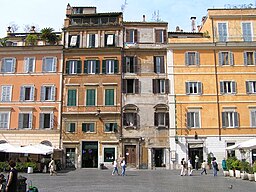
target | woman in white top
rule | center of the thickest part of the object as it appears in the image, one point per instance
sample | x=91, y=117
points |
x=190, y=170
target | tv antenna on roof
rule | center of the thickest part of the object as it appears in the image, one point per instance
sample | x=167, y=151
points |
x=124, y=5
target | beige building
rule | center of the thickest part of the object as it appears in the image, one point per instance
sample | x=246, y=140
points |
x=91, y=112
x=145, y=88
x=214, y=85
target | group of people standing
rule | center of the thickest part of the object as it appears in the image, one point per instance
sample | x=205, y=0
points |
x=122, y=164
x=187, y=168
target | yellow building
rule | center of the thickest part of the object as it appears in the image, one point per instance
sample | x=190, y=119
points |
x=213, y=72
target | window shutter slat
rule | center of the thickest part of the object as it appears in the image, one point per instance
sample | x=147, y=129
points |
x=53, y=93
x=42, y=93
x=199, y=88
x=167, y=120
x=135, y=62
x=52, y=120
x=155, y=64
x=224, y=123
x=197, y=124
x=30, y=120
x=220, y=59
x=167, y=89
x=188, y=119
x=54, y=65
x=236, y=119
x=79, y=66
x=135, y=36
x=164, y=36
x=124, y=90
x=154, y=85
x=254, y=54
x=187, y=88
x=197, y=58
x=22, y=93
x=136, y=86
x=245, y=58
x=115, y=66
x=67, y=67
x=247, y=85
x=124, y=64
x=233, y=87
x=221, y=87
x=41, y=121
x=162, y=70
x=32, y=93
x=186, y=59
x=104, y=66
x=253, y=118
x=97, y=69
x=231, y=58
x=86, y=66
x=20, y=126
x=156, y=119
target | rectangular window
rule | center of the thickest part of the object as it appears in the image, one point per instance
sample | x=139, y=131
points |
x=247, y=31
x=230, y=119
x=49, y=64
x=73, y=67
x=231, y=153
x=159, y=64
x=131, y=86
x=130, y=65
x=8, y=65
x=131, y=35
x=110, y=66
x=226, y=58
x=27, y=93
x=92, y=40
x=91, y=66
x=88, y=127
x=71, y=127
x=250, y=87
x=4, y=120
x=193, y=119
x=253, y=118
x=228, y=87
x=130, y=119
x=48, y=93
x=74, y=41
x=109, y=40
x=90, y=97
x=192, y=58
x=46, y=120
x=6, y=93
x=222, y=31
x=25, y=120
x=110, y=127
x=160, y=36
x=71, y=97
x=29, y=64
x=109, y=97
x=249, y=58
x=161, y=119
x=160, y=86
x=109, y=154
x=193, y=88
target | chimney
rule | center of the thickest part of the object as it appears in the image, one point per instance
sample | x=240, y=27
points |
x=193, y=24
x=32, y=30
x=177, y=29
x=144, y=18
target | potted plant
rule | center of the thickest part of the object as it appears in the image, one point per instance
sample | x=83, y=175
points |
x=250, y=173
x=209, y=159
x=31, y=39
x=236, y=166
x=230, y=167
x=244, y=165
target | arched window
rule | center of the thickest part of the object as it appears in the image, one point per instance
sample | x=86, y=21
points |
x=161, y=116
x=130, y=116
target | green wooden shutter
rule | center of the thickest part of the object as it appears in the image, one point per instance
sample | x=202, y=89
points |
x=79, y=66
x=71, y=98
x=67, y=67
x=90, y=97
x=109, y=97
x=115, y=66
x=104, y=66
x=97, y=70
x=86, y=66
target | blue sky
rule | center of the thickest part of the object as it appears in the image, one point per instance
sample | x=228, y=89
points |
x=51, y=13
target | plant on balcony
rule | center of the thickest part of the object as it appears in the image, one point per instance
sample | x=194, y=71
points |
x=48, y=36
x=31, y=39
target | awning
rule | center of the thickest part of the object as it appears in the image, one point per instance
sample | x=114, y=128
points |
x=250, y=144
x=31, y=149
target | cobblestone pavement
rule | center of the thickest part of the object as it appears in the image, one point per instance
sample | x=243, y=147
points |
x=94, y=180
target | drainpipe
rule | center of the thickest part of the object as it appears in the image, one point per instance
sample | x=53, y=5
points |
x=216, y=82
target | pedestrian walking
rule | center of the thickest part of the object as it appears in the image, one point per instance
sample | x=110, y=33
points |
x=215, y=166
x=190, y=168
x=224, y=164
x=123, y=165
x=52, y=167
x=183, y=167
x=12, y=179
x=115, y=167
x=203, y=167
x=196, y=162
x=2, y=183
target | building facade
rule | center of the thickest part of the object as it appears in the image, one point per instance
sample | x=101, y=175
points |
x=91, y=115
x=145, y=88
x=30, y=91
x=214, y=85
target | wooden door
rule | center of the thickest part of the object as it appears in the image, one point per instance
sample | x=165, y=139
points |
x=130, y=155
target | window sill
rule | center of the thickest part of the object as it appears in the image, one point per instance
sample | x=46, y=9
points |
x=162, y=127
x=130, y=127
